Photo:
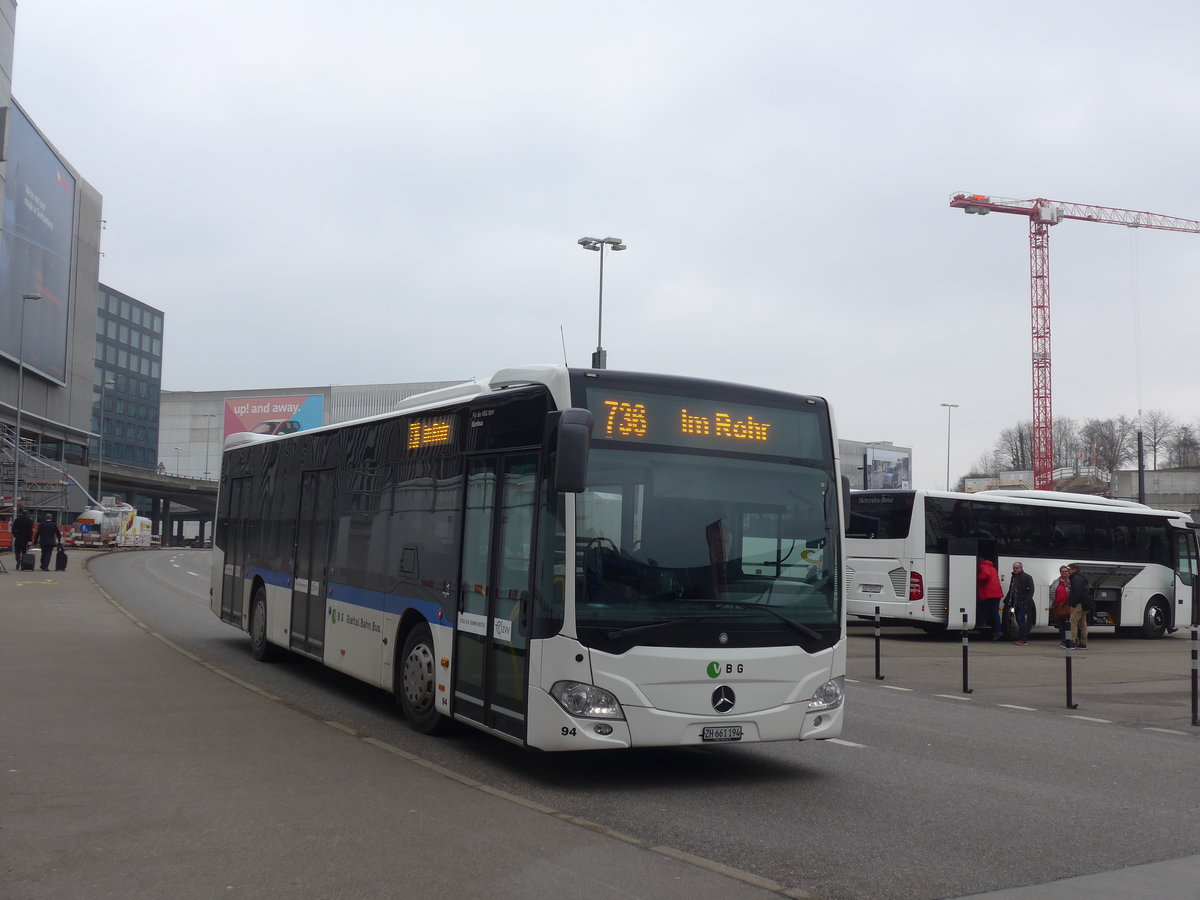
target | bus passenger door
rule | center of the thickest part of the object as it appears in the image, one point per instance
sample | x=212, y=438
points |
x=314, y=528
x=1186, y=567
x=491, y=644
x=233, y=580
x=963, y=557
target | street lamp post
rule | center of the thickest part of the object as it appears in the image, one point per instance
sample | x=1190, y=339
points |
x=949, y=406
x=108, y=383
x=20, y=403
x=600, y=357
x=177, y=452
x=207, y=439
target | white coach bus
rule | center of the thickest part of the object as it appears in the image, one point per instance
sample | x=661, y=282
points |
x=913, y=554
x=568, y=559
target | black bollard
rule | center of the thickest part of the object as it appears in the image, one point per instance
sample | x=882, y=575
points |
x=878, y=677
x=965, y=690
x=1067, y=656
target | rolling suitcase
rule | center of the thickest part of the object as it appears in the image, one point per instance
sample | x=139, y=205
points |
x=27, y=562
x=60, y=560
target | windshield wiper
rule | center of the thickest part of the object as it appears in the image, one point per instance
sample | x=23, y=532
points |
x=618, y=633
x=790, y=623
x=800, y=627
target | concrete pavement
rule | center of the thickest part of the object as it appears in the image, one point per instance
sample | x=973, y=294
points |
x=129, y=769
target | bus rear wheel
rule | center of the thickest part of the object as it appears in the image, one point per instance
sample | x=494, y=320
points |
x=263, y=650
x=416, y=688
x=1154, y=622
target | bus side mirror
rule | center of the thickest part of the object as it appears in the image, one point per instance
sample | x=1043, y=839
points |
x=846, y=498
x=574, y=435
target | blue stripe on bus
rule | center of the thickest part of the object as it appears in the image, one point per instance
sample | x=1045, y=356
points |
x=391, y=604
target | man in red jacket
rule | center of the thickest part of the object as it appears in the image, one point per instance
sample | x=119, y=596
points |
x=988, y=595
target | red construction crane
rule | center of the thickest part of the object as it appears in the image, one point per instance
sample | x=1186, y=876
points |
x=1042, y=214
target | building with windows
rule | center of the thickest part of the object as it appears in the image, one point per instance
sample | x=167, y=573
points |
x=127, y=380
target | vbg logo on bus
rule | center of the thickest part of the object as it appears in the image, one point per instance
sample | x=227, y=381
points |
x=716, y=669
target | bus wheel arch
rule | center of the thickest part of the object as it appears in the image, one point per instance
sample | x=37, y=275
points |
x=262, y=649
x=416, y=676
x=1156, y=617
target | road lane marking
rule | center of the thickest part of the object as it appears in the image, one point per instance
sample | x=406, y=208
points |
x=1090, y=719
x=892, y=687
x=953, y=697
x=845, y=743
x=1165, y=730
x=1014, y=706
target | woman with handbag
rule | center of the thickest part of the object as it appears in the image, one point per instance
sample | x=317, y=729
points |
x=1060, y=609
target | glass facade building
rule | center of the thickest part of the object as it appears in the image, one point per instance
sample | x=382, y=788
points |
x=127, y=379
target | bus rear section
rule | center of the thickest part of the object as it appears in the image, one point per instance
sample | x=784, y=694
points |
x=886, y=566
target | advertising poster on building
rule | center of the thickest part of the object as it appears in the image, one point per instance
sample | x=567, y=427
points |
x=35, y=250
x=274, y=415
x=887, y=468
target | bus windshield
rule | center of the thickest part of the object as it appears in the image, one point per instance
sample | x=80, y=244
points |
x=671, y=544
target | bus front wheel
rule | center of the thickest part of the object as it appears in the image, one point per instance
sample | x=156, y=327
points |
x=1154, y=622
x=416, y=687
x=263, y=650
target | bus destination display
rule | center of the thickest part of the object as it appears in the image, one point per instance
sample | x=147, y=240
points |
x=697, y=422
x=428, y=432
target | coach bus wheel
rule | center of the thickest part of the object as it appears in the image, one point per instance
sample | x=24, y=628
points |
x=1154, y=623
x=416, y=689
x=263, y=650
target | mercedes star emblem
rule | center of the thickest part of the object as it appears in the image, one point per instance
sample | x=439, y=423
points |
x=723, y=699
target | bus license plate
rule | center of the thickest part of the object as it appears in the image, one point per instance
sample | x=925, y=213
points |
x=872, y=588
x=721, y=733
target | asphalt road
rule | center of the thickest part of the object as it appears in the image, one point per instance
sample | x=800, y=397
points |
x=931, y=793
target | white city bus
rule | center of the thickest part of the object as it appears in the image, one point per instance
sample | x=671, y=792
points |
x=568, y=559
x=913, y=555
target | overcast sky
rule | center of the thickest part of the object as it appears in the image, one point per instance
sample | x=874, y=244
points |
x=380, y=191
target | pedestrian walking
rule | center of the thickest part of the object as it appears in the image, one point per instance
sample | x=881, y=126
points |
x=48, y=538
x=988, y=595
x=1080, y=602
x=1060, y=608
x=22, y=532
x=1020, y=598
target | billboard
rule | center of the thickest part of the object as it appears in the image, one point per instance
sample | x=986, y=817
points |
x=883, y=468
x=36, y=240
x=274, y=415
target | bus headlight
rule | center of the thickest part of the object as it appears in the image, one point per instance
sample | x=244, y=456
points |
x=586, y=700
x=829, y=695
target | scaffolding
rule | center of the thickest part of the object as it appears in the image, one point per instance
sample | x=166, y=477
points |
x=44, y=486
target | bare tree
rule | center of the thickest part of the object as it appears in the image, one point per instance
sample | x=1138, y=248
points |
x=984, y=466
x=1157, y=428
x=1183, y=449
x=1014, y=447
x=1112, y=441
x=1067, y=444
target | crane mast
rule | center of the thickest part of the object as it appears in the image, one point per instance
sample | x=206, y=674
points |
x=1042, y=214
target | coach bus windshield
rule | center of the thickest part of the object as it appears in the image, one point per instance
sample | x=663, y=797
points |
x=685, y=549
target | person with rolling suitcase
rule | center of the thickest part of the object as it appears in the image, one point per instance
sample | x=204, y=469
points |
x=60, y=559
x=22, y=532
x=48, y=537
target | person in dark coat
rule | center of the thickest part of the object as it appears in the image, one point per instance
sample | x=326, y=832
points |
x=988, y=594
x=1020, y=598
x=22, y=532
x=48, y=537
x=1080, y=601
